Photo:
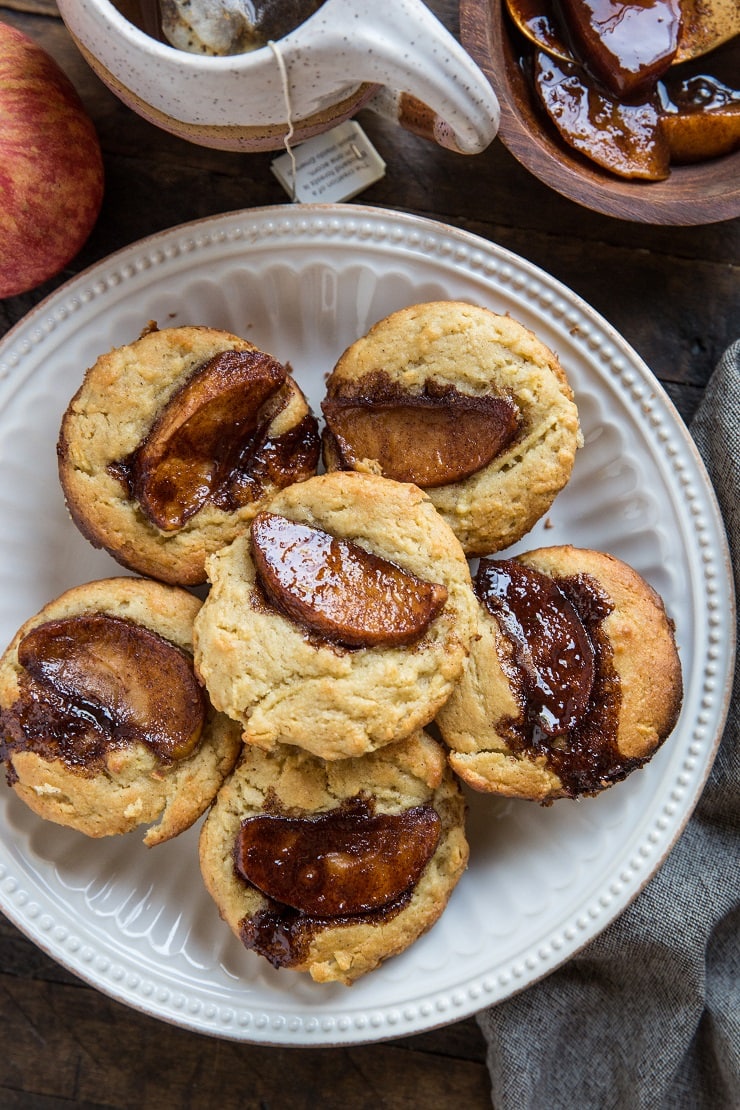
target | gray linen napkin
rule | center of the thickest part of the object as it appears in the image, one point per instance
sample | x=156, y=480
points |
x=647, y=1016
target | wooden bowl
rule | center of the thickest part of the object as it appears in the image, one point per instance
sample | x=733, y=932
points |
x=697, y=194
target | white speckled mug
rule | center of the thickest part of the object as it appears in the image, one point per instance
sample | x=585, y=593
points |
x=394, y=57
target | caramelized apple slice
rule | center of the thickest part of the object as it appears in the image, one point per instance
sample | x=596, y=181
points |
x=211, y=418
x=702, y=119
x=428, y=440
x=705, y=25
x=623, y=138
x=551, y=645
x=628, y=46
x=339, y=590
x=131, y=682
x=347, y=861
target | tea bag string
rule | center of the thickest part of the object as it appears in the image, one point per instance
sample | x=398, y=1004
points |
x=288, y=113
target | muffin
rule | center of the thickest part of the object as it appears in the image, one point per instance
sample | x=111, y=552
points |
x=331, y=867
x=340, y=621
x=104, y=726
x=574, y=680
x=467, y=404
x=172, y=443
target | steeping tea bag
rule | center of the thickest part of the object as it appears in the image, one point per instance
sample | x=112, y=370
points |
x=230, y=26
x=209, y=26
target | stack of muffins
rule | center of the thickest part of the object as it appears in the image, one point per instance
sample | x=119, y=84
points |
x=346, y=672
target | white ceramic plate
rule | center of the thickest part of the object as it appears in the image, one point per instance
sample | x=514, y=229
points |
x=304, y=282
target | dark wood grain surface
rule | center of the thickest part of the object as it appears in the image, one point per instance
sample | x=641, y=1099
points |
x=674, y=295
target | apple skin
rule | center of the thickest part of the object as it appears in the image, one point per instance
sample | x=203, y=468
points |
x=51, y=167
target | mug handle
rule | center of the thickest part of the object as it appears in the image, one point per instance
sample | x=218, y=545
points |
x=428, y=82
x=415, y=116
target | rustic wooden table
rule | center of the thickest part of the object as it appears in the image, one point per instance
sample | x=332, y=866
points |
x=673, y=294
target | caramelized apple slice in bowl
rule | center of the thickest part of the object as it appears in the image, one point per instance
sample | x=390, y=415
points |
x=693, y=194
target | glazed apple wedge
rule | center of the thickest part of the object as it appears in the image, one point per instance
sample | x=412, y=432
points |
x=429, y=440
x=210, y=420
x=345, y=861
x=339, y=590
x=118, y=680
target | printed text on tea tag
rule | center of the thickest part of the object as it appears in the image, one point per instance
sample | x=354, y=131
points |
x=331, y=167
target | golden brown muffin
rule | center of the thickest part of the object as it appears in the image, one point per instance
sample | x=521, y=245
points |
x=368, y=853
x=466, y=403
x=573, y=683
x=291, y=682
x=104, y=726
x=172, y=443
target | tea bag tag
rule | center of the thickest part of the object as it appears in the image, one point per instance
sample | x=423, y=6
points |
x=331, y=167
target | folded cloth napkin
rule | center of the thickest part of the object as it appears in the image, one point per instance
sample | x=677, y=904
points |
x=647, y=1016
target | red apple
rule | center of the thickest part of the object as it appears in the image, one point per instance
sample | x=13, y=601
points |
x=51, y=168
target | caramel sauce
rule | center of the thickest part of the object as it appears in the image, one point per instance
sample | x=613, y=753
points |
x=42, y=721
x=698, y=93
x=581, y=747
x=269, y=462
x=337, y=868
x=264, y=461
x=283, y=936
